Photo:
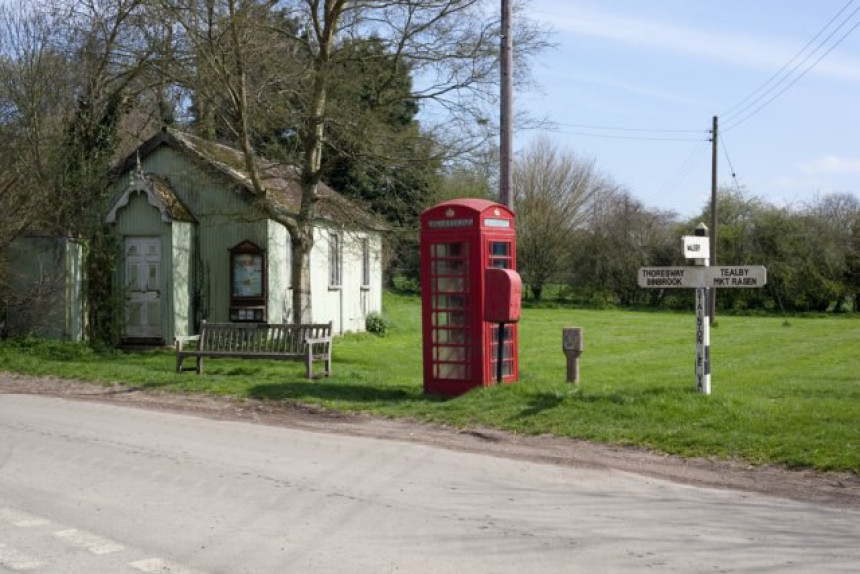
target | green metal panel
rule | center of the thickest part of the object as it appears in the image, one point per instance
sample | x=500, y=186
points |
x=182, y=279
x=43, y=287
x=75, y=290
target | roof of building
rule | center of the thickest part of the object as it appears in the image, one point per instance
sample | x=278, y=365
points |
x=282, y=182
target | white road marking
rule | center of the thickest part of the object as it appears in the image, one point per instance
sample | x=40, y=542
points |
x=11, y=558
x=88, y=540
x=159, y=565
x=21, y=519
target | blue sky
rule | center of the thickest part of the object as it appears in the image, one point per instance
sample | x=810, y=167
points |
x=673, y=65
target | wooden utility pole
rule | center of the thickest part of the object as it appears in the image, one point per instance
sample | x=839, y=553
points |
x=713, y=253
x=507, y=107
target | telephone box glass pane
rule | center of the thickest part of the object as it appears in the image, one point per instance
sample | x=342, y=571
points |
x=449, y=266
x=450, y=302
x=507, y=350
x=450, y=285
x=500, y=254
x=500, y=249
x=451, y=371
x=458, y=336
x=447, y=250
x=454, y=354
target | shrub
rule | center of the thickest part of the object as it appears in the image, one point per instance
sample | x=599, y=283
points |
x=376, y=324
x=406, y=285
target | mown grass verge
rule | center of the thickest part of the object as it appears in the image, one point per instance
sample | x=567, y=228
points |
x=784, y=391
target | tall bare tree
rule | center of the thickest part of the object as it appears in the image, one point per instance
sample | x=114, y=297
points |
x=281, y=57
x=552, y=189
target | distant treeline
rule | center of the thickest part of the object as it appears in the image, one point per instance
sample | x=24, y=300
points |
x=812, y=253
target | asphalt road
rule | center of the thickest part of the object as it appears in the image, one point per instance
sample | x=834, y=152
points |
x=89, y=487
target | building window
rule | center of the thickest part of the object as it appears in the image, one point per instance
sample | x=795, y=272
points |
x=334, y=260
x=365, y=262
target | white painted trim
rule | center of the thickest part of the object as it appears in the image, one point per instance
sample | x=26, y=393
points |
x=139, y=184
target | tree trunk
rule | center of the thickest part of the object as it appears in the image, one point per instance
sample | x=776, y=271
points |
x=301, y=272
x=303, y=239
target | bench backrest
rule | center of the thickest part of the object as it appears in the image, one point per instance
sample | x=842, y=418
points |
x=259, y=337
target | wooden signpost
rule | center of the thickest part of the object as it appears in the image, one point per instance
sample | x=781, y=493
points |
x=704, y=279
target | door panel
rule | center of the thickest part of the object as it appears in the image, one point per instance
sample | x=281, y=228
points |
x=143, y=287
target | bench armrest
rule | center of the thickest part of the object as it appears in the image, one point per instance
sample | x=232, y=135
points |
x=314, y=341
x=182, y=339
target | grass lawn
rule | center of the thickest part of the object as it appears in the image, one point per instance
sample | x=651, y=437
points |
x=784, y=391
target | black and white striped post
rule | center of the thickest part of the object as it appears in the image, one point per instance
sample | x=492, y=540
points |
x=703, y=322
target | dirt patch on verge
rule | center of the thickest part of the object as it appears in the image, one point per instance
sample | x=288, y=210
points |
x=838, y=489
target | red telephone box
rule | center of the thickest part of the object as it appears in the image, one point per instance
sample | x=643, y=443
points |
x=460, y=240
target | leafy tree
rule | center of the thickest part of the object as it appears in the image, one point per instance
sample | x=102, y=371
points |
x=69, y=72
x=621, y=235
x=737, y=214
x=831, y=222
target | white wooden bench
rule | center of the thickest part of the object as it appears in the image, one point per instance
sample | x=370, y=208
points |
x=307, y=343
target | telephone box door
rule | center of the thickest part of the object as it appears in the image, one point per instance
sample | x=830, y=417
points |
x=450, y=312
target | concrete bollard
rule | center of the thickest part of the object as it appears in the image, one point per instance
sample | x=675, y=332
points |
x=573, y=344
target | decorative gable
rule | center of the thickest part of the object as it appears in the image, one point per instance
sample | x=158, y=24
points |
x=158, y=194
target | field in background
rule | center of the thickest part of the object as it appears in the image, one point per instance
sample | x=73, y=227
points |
x=785, y=391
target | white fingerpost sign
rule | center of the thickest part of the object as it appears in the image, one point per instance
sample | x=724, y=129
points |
x=698, y=247
x=703, y=279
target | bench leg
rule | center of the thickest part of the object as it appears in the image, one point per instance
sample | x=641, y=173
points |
x=199, y=365
x=179, y=359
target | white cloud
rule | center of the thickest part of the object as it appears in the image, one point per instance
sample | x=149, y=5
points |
x=641, y=90
x=758, y=52
x=830, y=165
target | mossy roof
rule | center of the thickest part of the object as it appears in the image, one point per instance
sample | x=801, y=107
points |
x=282, y=182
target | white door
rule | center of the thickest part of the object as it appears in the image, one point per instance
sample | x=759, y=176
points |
x=143, y=287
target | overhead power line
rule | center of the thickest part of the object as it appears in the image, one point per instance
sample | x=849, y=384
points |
x=776, y=74
x=690, y=161
x=764, y=94
x=624, y=129
x=729, y=161
x=630, y=137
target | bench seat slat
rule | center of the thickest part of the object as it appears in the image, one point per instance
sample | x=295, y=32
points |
x=281, y=341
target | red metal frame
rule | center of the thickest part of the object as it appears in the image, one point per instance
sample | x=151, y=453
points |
x=459, y=239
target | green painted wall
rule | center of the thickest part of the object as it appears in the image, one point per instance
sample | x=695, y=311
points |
x=182, y=278
x=224, y=219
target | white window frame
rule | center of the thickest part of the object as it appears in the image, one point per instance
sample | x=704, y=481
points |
x=335, y=260
x=365, y=262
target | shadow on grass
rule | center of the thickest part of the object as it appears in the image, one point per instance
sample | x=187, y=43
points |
x=540, y=403
x=630, y=394
x=331, y=391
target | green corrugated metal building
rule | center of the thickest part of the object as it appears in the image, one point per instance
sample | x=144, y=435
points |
x=197, y=244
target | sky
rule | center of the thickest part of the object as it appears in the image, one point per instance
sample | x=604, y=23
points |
x=649, y=76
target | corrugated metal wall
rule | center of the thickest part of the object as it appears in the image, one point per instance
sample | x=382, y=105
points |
x=43, y=288
x=225, y=219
